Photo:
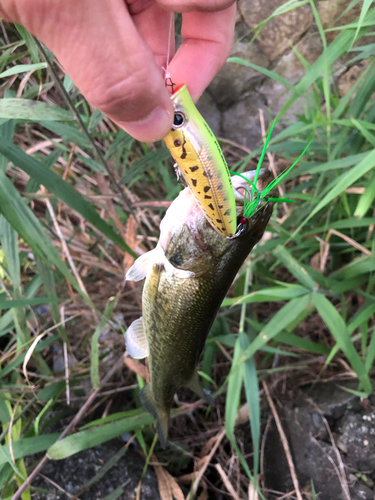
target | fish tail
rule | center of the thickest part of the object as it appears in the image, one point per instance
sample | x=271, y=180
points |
x=161, y=415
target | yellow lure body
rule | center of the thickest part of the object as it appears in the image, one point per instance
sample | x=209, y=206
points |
x=202, y=164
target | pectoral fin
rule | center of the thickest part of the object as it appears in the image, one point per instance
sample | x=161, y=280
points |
x=136, y=340
x=141, y=266
x=161, y=415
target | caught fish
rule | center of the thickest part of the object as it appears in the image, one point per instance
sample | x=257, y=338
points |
x=187, y=277
x=201, y=163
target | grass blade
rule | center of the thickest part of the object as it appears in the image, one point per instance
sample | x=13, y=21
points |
x=366, y=199
x=94, y=367
x=235, y=378
x=340, y=332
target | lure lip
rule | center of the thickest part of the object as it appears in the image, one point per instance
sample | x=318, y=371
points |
x=178, y=88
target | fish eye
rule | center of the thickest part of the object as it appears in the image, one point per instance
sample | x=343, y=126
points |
x=178, y=120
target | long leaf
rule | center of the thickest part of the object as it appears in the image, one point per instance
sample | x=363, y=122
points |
x=27, y=446
x=343, y=182
x=22, y=68
x=253, y=401
x=19, y=215
x=340, y=332
x=24, y=109
x=295, y=267
x=8, y=304
x=285, y=316
x=93, y=437
x=62, y=189
x=274, y=294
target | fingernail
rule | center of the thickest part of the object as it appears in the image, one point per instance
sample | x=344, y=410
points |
x=152, y=128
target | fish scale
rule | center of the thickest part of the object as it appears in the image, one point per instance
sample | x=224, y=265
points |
x=202, y=164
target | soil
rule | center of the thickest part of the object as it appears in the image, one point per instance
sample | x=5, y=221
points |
x=324, y=423
x=74, y=473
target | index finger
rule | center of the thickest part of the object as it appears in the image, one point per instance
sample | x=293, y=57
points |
x=207, y=39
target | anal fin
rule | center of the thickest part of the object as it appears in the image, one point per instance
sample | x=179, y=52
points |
x=196, y=387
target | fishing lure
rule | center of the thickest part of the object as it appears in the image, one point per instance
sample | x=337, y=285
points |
x=201, y=163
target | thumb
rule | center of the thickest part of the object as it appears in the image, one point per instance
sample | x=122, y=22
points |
x=103, y=53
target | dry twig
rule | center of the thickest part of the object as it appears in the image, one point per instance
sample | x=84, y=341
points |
x=284, y=442
x=226, y=482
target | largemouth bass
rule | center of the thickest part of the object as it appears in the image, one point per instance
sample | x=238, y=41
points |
x=201, y=162
x=187, y=277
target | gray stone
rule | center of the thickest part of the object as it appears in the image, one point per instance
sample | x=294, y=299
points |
x=280, y=32
x=291, y=68
x=362, y=492
x=358, y=439
x=209, y=111
x=235, y=79
x=241, y=122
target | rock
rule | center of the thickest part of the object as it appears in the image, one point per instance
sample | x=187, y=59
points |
x=330, y=10
x=358, y=439
x=280, y=32
x=241, y=122
x=348, y=79
x=291, y=68
x=74, y=472
x=362, y=492
x=235, y=79
x=209, y=111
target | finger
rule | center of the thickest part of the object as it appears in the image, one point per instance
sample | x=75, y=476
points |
x=156, y=27
x=207, y=39
x=101, y=50
x=195, y=5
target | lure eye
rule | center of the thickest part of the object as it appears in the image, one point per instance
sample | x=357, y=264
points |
x=178, y=120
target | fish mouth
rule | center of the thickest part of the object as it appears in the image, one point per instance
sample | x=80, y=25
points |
x=254, y=223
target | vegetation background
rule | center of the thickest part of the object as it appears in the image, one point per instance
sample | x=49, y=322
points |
x=79, y=199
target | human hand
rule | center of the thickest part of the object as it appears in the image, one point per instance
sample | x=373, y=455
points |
x=114, y=51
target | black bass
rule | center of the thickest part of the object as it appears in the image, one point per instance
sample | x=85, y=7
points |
x=187, y=277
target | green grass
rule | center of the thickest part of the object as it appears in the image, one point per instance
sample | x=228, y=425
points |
x=94, y=178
